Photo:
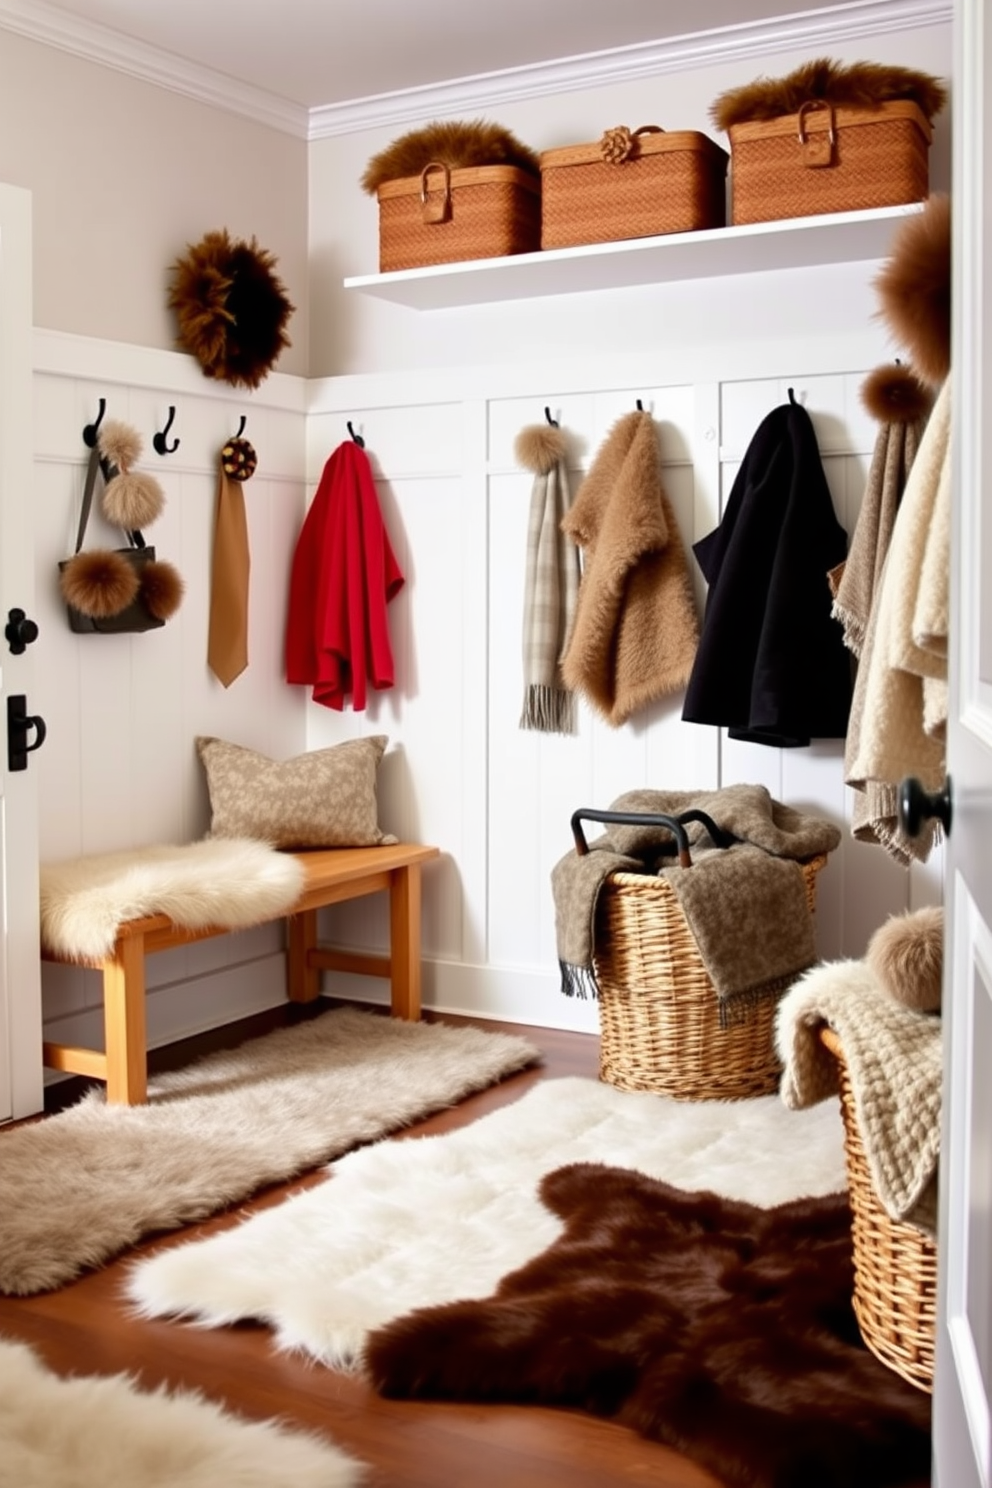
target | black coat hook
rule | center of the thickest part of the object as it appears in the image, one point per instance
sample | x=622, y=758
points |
x=640, y=406
x=552, y=421
x=158, y=440
x=792, y=396
x=356, y=437
x=90, y=432
x=241, y=427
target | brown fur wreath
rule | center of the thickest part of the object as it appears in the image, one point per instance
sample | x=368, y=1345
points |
x=859, y=85
x=231, y=308
x=457, y=145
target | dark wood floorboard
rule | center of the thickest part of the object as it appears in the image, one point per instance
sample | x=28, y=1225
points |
x=86, y=1328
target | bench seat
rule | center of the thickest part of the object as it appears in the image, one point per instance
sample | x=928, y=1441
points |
x=331, y=876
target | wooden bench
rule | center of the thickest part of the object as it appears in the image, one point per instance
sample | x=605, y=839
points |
x=333, y=875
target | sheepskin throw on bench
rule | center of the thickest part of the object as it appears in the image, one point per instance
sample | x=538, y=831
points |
x=234, y=882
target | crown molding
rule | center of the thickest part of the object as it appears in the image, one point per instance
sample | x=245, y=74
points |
x=812, y=30
x=52, y=27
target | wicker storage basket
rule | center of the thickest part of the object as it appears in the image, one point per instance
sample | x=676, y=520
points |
x=668, y=183
x=895, y=1264
x=659, y=1013
x=443, y=215
x=826, y=159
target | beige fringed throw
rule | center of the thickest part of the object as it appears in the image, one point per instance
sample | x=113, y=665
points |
x=901, y=691
x=746, y=904
x=551, y=584
x=894, y=1058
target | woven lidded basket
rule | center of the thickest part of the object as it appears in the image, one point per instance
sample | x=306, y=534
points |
x=826, y=159
x=895, y=1264
x=659, y=1012
x=445, y=215
x=632, y=184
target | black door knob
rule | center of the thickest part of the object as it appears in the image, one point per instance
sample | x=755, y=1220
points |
x=917, y=805
x=19, y=631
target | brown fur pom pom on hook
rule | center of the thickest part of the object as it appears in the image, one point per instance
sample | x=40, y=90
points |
x=119, y=443
x=539, y=447
x=914, y=289
x=893, y=394
x=162, y=589
x=100, y=583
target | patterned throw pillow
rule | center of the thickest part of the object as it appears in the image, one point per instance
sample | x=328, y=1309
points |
x=326, y=798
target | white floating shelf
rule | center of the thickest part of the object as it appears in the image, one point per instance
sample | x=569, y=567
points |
x=794, y=242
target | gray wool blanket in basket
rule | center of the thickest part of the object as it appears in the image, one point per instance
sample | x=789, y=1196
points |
x=745, y=905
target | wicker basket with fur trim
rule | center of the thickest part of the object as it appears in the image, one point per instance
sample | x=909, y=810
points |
x=829, y=139
x=895, y=1264
x=632, y=184
x=660, y=1027
x=450, y=192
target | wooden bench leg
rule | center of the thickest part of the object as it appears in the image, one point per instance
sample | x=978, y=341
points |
x=124, y=1023
x=404, y=942
x=302, y=978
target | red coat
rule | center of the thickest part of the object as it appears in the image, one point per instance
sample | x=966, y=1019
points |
x=344, y=573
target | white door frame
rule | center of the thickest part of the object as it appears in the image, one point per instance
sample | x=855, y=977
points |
x=21, y=1074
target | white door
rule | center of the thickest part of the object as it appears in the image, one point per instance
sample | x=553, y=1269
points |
x=963, y=1383
x=20, y=971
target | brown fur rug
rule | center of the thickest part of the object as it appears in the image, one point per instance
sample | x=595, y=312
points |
x=720, y=1329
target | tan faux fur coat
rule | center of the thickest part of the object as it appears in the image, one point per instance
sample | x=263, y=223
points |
x=636, y=628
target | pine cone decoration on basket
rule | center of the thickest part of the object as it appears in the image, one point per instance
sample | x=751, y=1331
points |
x=617, y=145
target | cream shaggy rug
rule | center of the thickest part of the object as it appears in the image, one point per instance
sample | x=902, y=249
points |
x=102, y=1432
x=407, y=1224
x=235, y=882
x=79, y=1187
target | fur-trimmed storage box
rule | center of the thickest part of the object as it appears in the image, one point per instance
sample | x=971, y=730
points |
x=453, y=191
x=632, y=184
x=829, y=139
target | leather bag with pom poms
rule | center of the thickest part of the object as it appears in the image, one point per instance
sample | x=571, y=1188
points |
x=110, y=591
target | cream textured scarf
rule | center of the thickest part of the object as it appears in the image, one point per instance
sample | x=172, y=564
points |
x=636, y=627
x=901, y=696
x=551, y=584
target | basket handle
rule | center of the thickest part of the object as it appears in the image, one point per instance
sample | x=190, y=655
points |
x=818, y=149
x=435, y=209
x=675, y=824
x=620, y=144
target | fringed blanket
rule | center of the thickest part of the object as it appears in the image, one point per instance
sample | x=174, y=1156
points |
x=745, y=905
x=893, y=1055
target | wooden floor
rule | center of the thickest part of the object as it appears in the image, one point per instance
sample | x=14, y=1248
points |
x=85, y=1328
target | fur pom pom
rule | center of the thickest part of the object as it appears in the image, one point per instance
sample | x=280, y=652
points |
x=906, y=957
x=914, y=289
x=119, y=443
x=162, y=589
x=132, y=501
x=539, y=447
x=457, y=145
x=231, y=308
x=893, y=394
x=860, y=85
x=99, y=583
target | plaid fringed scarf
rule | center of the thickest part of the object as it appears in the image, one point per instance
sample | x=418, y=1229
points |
x=551, y=583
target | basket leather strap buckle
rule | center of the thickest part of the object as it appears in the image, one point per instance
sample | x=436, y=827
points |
x=436, y=207
x=817, y=148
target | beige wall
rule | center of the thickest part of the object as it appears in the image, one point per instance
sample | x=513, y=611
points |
x=123, y=175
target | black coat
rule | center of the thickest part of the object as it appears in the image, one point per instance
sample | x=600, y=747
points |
x=771, y=665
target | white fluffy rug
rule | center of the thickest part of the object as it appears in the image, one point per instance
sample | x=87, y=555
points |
x=79, y=1187
x=89, y=1431
x=432, y=1219
x=235, y=882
